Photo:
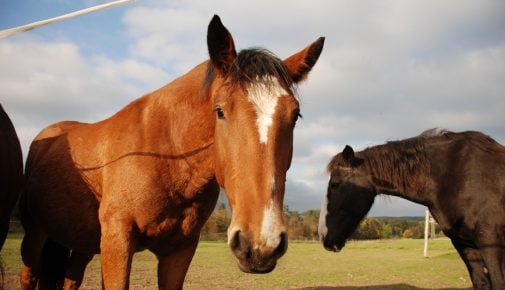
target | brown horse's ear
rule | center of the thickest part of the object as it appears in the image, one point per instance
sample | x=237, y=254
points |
x=221, y=46
x=300, y=64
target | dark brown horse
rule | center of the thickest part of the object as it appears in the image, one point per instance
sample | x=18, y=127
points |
x=149, y=176
x=458, y=176
x=11, y=172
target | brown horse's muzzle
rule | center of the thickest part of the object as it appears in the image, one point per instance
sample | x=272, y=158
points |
x=255, y=259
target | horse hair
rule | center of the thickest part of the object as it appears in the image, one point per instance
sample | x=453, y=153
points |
x=256, y=65
x=403, y=162
x=400, y=162
x=433, y=132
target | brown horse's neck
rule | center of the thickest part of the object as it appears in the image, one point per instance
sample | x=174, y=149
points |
x=174, y=123
x=183, y=112
x=399, y=171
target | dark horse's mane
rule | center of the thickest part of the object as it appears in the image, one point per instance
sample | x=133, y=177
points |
x=252, y=66
x=400, y=162
x=403, y=162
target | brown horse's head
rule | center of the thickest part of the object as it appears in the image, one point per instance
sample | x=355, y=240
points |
x=256, y=112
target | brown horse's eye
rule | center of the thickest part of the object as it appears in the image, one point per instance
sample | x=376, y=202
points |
x=219, y=112
x=298, y=116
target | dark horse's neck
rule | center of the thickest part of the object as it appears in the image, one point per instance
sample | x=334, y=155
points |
x=418, y=168
x=400, y=168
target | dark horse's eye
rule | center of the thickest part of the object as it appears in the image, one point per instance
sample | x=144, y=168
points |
x=334, y=184
x=219, y=112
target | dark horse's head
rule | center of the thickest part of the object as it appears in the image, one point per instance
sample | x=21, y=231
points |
x=350, y=196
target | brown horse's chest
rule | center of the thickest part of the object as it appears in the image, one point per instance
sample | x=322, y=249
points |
x=178, y=220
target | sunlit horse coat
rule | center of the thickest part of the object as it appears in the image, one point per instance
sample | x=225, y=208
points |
x=149, y=176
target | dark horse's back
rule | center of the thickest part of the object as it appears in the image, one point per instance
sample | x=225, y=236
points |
x=480, y=160
x=11, y=172
x=470, y=204
x=470, y=167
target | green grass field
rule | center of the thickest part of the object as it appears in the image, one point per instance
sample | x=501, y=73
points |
x=387, y=264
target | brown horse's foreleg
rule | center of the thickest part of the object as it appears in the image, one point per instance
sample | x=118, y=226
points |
x=75, y=271
x=116, y=248
x=172, y=268
x=31, y=253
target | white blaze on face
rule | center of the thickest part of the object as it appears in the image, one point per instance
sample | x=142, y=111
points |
x=264, y=97
x=269, y=235
x=323, y=228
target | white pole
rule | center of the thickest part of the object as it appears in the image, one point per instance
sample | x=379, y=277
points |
x=426, y=232
x=27, y=27
x=432, y=228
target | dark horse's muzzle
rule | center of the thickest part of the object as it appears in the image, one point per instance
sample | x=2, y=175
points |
x=331, y=243
x=332, y=247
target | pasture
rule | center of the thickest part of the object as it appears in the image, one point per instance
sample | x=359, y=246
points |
x=382, y=264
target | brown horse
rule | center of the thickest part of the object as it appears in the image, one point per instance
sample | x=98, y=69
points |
x=149, y=176
x=11, y=172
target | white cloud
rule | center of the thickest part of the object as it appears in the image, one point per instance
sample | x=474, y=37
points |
x=171, y=37
x=45, y=82
x=388, y=71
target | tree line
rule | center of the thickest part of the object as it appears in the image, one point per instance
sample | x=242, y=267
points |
x=304, y=226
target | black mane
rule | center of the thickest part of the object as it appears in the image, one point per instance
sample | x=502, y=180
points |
x=400, y=162
x=256, y=65
x=404, y=161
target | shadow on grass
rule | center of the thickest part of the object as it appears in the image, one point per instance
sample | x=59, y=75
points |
x=377, y=287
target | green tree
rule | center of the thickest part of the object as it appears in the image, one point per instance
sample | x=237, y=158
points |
x=216, y=226
x=294, y=226
x=387, y=231
x=310, y=225
x=408, y=234
x=222, y=218
x=209, y=229
x=370, y=229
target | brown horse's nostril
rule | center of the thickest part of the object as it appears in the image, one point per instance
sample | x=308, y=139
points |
x=282, y=247
x=235, y=241
x=240, y=246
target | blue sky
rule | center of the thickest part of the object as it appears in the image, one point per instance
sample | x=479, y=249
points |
x=389, y=69
x=98, y=32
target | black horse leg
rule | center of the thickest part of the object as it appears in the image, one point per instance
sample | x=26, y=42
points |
x=75, y=270
x=474, y=263
x=494, y=258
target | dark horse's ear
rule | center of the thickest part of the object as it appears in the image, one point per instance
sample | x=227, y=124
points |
x=348, y=153
x=221, y=46
x=300, y=64
x=350, y=158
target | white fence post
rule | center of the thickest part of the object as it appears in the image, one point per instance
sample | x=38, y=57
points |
x=426, y=232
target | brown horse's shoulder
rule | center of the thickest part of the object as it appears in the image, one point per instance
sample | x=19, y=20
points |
x=43, y=142
x=57, y=129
